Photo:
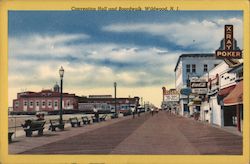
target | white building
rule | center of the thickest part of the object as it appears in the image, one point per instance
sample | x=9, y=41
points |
x=219, y=79
x=191, y=65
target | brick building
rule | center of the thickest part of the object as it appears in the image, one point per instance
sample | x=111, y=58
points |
x=45, y=100
x=107, y=102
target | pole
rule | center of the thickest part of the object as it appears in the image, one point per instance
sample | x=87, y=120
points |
x=238, y=117
x=61, y=97
x=115, y=97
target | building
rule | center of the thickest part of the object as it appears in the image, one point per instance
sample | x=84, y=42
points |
x=233, y=102
x=191, y=66
x=107, y=103
x=45, y=100
x=219, y=84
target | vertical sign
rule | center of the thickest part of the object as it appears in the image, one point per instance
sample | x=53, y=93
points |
x=229, y=39
x=229, y=50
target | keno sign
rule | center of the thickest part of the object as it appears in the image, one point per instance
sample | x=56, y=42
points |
x=171, y=95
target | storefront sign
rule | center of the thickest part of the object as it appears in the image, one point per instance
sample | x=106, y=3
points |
x=186, y=91
x=171, y=95
x=198, y=85
x=229, y=50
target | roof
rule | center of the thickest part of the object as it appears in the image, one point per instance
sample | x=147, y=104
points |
x=236, y=68
x=192, y=55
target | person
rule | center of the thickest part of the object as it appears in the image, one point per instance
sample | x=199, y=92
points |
x=40, y=116
x=96, y=114
x=133, y=111
x=138, y=112
x=152, y=111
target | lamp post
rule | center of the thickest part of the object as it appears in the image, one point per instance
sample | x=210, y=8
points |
x=61, y=72
x=115, y=84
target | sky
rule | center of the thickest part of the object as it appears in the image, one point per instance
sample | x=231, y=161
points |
x=136, y=49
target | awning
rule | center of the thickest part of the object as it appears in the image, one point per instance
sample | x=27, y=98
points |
x=225, y=91
x=235, y=97
x=197, y=99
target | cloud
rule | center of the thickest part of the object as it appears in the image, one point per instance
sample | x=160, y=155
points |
x=204, y=35
x=33, y=65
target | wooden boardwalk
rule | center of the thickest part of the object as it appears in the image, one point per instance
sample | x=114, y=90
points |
x=158, y=134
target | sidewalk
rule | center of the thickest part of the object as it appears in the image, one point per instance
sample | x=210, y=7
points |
x=21, y=143
x=159, y=134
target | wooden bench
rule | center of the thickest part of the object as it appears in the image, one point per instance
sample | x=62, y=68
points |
x=74, y=121
x=10, y=136
x=85, y=120
x=95, y=119
x=55, y=123
x=115, y=115
x=103, y=118
x=33, y=125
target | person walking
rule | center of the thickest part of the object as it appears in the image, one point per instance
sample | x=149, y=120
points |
x=133, y=111
x=96, y=114
x=138, y=112
x=152, y=111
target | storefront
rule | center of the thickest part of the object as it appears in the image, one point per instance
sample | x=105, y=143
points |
x=233, y=107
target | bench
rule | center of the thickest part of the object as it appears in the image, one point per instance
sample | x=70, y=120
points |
x=10, y=136
x=55, y=123
x=33, y=125
x=74, y=121
x=115, y=115
x=85, y=120
x=95, y=119
x=103, y=118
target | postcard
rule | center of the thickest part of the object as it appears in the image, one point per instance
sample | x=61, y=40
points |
x=124, y=82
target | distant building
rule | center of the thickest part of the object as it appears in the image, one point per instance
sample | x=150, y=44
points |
x=45, y=100
x=191, y=66
x=107, y=102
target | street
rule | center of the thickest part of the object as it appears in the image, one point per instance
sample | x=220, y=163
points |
x=159, y=134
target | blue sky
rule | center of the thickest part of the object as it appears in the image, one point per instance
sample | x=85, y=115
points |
x=137, y=49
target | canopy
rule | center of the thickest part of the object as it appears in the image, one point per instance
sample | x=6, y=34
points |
x=235, y=97
x=225, y=91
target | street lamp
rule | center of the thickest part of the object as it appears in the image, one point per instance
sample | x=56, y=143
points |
x=115, y=84
x=61, y=72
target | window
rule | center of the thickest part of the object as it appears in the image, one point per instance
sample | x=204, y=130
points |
x=31, y=104
x=205, y=68
x=55, y=103
x=49, y=103
x=25, y=103
x=68, y=103
x=37, y=103
x=188, y=68
x=43, y=103
x=17, y=103
x=193, y=68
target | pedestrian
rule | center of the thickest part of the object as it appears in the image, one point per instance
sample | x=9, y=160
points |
x=152, y=111
x=133, y=111
x=138, y=112
x=96, y=114
x=40, y=116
